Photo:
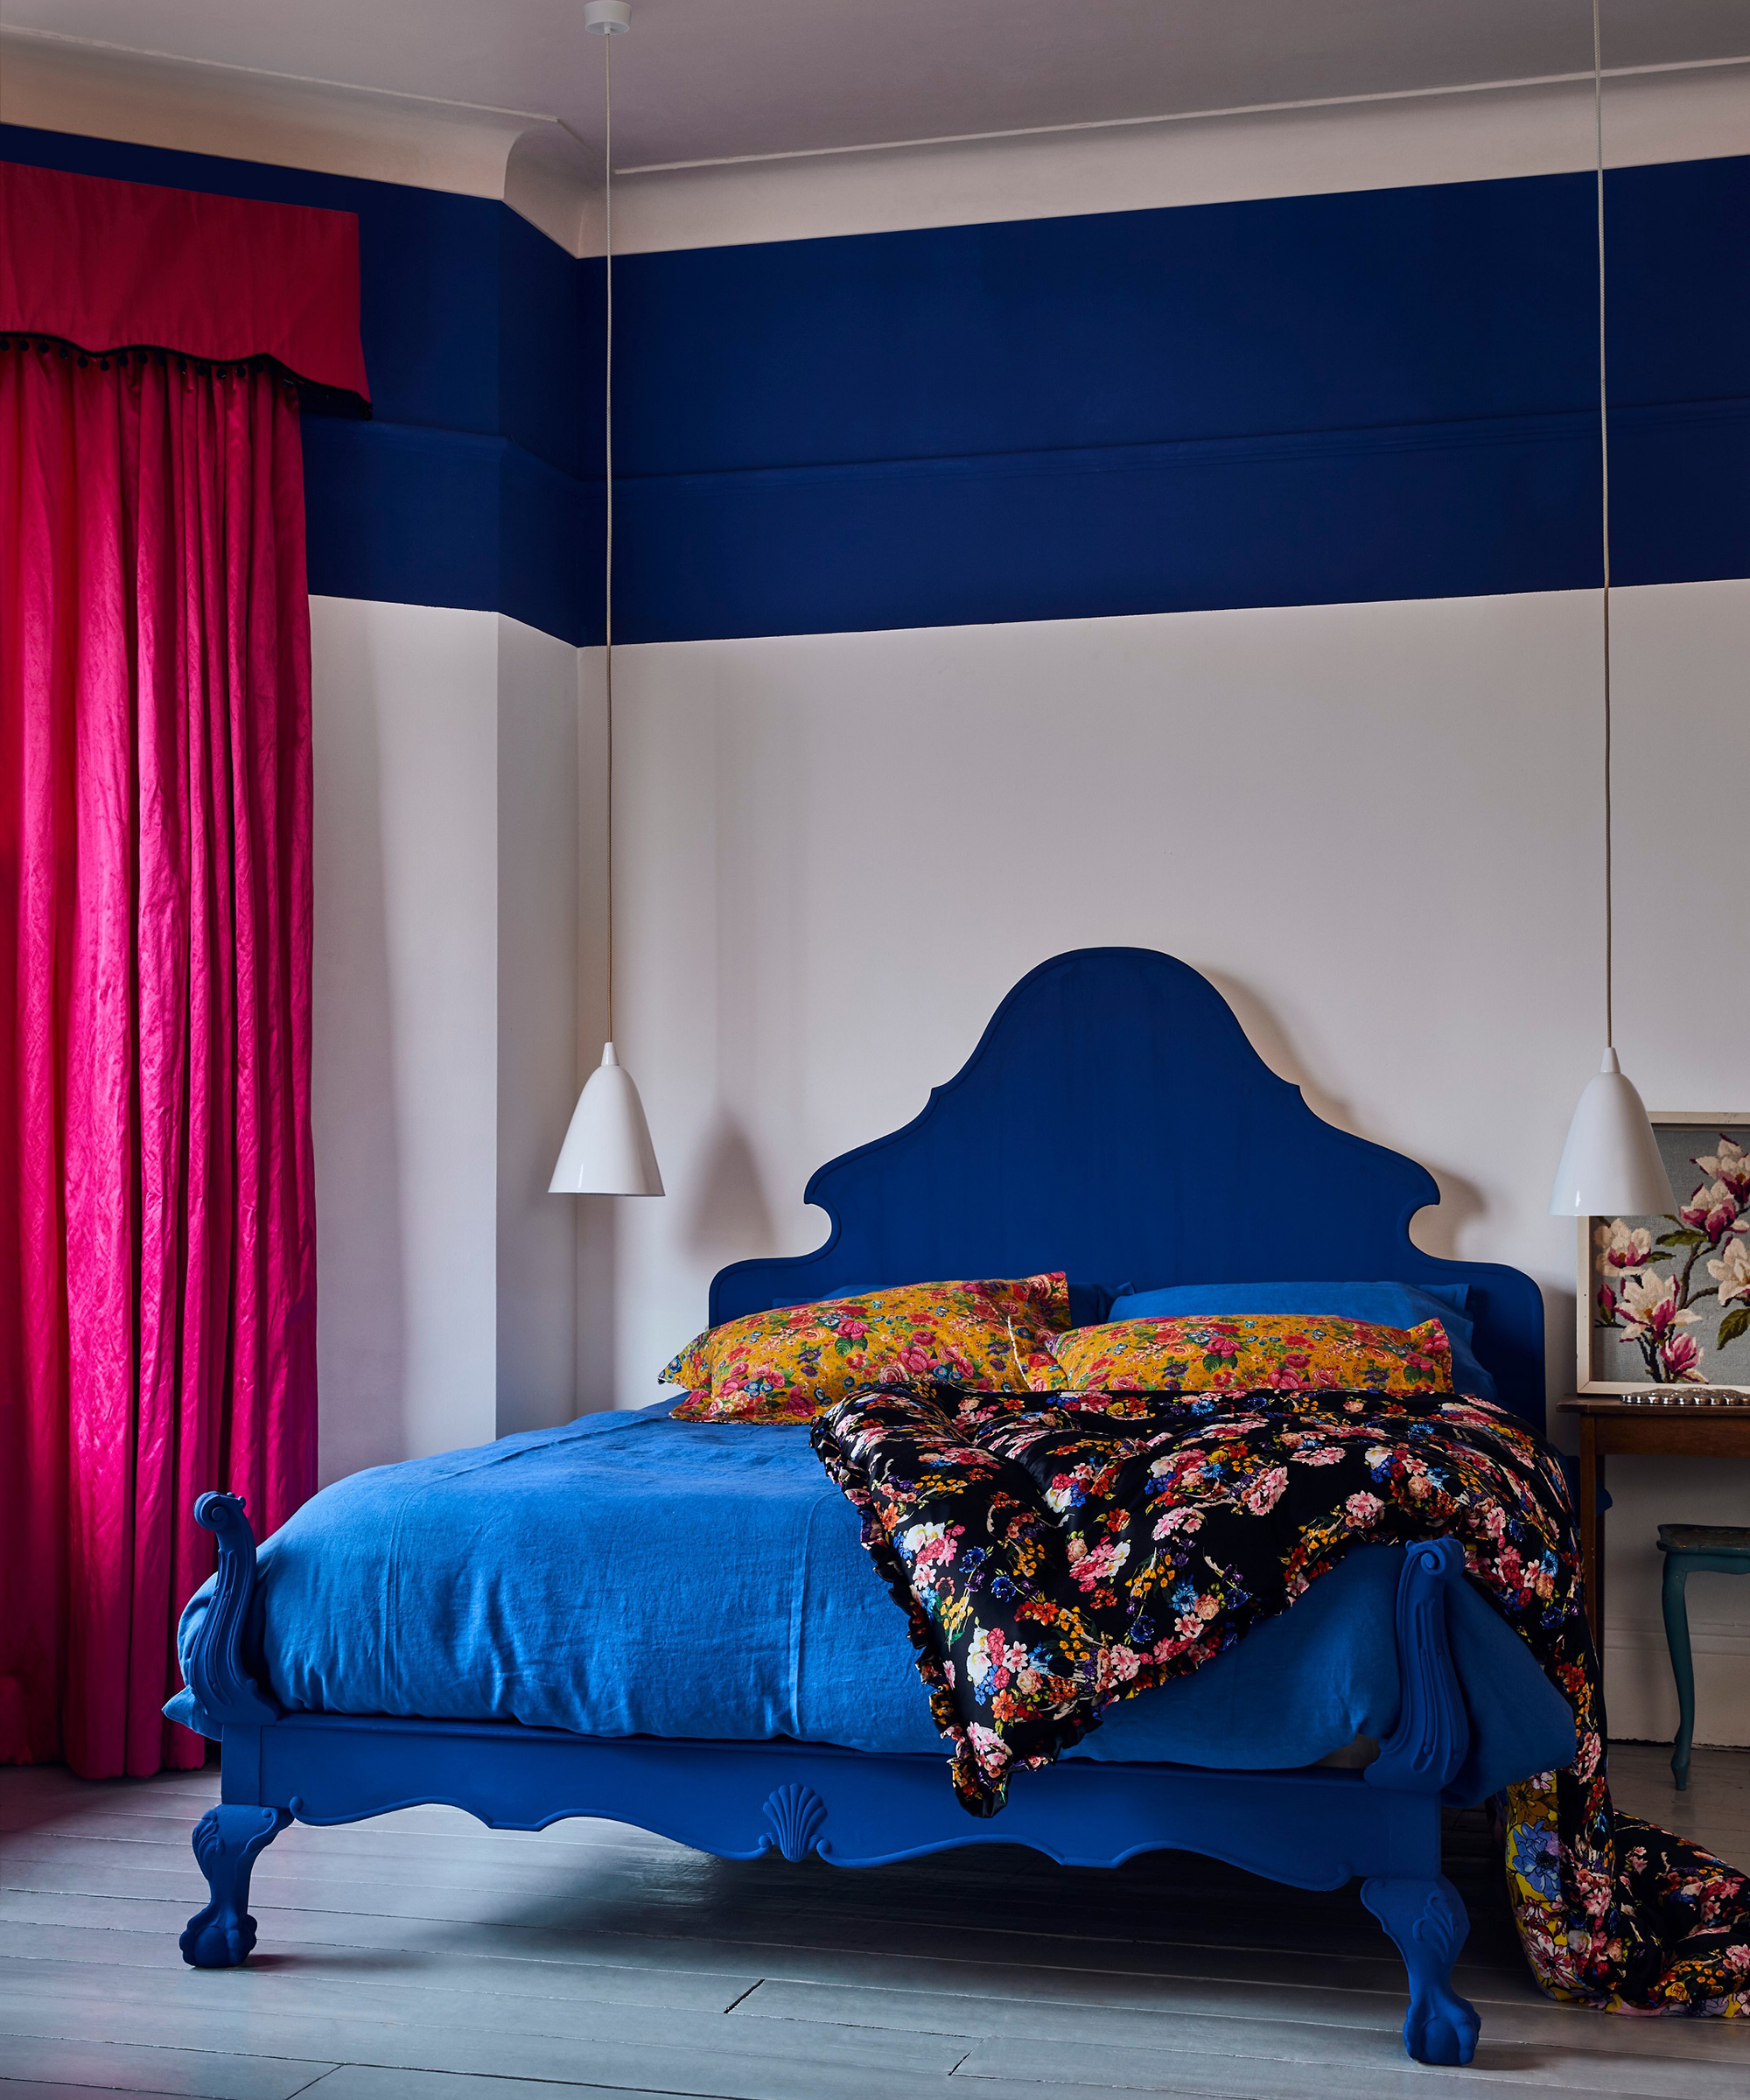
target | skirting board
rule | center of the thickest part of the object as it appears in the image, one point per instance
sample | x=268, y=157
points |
x=1640, y=1696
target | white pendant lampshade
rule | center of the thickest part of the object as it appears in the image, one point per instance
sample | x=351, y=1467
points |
x=607, y=1150
x=1611, y=1166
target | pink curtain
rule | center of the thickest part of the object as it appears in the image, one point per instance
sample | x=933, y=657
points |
x=157, y=1231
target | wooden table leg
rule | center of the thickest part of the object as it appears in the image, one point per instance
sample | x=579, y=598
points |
x=1592, y=1534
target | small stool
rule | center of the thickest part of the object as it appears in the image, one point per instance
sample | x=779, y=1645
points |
x=1689, y=1549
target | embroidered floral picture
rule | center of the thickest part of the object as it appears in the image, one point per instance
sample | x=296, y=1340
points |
x=1669, y=1298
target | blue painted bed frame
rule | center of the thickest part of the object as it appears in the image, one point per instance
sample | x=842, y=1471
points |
x=1113, y=1121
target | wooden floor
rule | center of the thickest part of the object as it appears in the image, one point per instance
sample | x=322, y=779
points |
x=420, y=1958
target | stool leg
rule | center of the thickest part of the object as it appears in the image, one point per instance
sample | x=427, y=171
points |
x=1683, y=1669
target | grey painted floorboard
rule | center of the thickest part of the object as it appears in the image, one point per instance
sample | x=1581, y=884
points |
x=1259, y=2010
x=39, y=2089
x=423, y=1957
x=364, y=2082
x=1023, y=2068
x=195, y=2074
x=1308, y=1988
x=36, y=2088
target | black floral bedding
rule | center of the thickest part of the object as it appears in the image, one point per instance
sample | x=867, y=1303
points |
x=1056, y=1553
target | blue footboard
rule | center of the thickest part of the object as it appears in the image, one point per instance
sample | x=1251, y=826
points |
x=1315, y=1828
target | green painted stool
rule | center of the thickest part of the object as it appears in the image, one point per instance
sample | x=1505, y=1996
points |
x=1691, y=1549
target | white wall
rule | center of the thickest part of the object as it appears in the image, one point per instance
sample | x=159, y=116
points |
x=445, y=1026
x=405, y=1082
x=1376, y=826
x=596, y=1250
x=538, y=958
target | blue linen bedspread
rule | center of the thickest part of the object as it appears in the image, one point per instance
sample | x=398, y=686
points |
x=632, y=1575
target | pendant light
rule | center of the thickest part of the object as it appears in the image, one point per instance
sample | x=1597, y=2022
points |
x=607, y=1150
x=1610, y=1165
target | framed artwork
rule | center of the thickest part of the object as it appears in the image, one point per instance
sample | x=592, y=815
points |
x=1666, y=1301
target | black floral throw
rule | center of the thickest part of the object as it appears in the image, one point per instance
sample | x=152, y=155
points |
x=1056, y=1553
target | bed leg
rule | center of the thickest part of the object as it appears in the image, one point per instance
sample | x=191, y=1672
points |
x=227, y=1840
x=1426, y=1920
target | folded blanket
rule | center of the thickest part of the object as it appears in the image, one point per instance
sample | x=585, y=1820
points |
x=1055, y=1554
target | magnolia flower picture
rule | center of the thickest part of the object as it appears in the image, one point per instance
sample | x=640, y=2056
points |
x=1667, y=1301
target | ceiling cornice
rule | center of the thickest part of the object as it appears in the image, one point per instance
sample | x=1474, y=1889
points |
x=542, y=170
x=534, y=164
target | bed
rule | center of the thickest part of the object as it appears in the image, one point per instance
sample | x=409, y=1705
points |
x=419, y=1633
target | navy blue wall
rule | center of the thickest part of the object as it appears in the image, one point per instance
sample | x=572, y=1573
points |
x=1388, y=394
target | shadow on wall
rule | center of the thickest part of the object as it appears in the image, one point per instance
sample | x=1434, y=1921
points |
x=598, y=1282
x=1439, y=1231
x=730, y=1219
x=1561, y=1313
x=1270, y=1040
x=361, y=1328
x=1436, y=1230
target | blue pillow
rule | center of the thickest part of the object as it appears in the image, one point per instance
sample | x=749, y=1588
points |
x=1383, y=1304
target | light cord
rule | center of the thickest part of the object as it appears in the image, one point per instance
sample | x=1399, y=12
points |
x=607, y=417
x=1603, y=462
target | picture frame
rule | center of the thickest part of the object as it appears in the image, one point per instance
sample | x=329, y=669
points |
x=1663, y=1303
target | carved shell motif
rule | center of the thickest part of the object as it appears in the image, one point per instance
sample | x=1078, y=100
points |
x=796, y=1814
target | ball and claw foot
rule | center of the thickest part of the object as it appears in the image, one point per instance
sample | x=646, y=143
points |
x=1427, y=1922
x=227, y=1840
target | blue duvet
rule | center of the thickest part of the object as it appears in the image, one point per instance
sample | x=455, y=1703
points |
x=632, y=1575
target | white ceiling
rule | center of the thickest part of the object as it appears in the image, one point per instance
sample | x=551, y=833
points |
x=705, y=78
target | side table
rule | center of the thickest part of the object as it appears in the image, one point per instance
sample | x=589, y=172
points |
x=1699, y=1423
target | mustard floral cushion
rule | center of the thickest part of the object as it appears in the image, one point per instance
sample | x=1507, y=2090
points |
x=785, y=1365
x=1252, y=1352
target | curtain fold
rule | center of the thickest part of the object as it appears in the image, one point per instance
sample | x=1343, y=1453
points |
x=156, y=1215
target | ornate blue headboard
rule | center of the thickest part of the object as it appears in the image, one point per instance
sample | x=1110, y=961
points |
x=1115, y=1122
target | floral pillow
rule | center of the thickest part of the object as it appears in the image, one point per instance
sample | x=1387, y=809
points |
x=787, y=1364
x=1249, y=1352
